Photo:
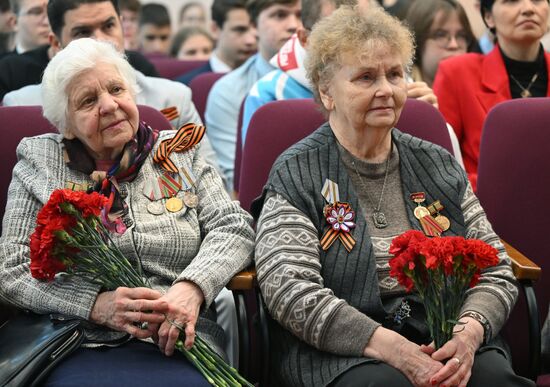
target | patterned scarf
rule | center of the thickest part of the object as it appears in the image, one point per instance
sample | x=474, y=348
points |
x=124, y=169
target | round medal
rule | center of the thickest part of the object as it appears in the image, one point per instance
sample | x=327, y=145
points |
x=443, y=221
x=420, y=212
x=155, y=208
x=190, y=199
x=174, y=204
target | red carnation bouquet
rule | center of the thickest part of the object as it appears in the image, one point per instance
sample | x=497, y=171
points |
x=70, y=238
x=441, y=270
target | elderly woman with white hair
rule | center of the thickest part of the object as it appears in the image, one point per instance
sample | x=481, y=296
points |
x=189, y=244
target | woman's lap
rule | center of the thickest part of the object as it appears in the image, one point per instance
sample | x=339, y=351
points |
x=491, y=368
x=133, y=364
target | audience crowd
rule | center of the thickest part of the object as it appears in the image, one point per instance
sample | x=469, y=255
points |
x=466, y=57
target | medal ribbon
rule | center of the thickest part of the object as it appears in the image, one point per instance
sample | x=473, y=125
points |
x=170, y=113
x=430, y=226
x=187, y=136
x=169, y=186
x=331, y=194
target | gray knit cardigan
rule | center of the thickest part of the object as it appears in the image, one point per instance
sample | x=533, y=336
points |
x=348, y=279
x=207, y=244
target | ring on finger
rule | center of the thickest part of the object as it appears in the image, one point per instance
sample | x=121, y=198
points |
x=181, y=327
x=457, y=360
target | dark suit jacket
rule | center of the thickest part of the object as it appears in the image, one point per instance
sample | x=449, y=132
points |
x=188, y=76
x=467, y=87
x=18, y=70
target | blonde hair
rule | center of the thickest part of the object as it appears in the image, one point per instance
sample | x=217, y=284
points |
x=346, y=33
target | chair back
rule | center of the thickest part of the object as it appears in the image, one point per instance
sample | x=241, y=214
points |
x=172, y=68
x=28, y=121
x=420, y=119
x=513, y=188
x=276, y=126
x=200, y=87
x=273, y=128
x=154, y=118
x=21, y=121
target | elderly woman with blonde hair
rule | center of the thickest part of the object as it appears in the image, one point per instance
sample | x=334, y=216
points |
x=340, y=319
x=189, y=240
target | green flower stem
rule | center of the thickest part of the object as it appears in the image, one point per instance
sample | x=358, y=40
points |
x=199, y=341
x=101, y=262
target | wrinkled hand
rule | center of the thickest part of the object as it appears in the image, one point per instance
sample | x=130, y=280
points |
x=122, y=308
x=404, y=355
x=459, y=353
x=422, y=92
x=184, y=300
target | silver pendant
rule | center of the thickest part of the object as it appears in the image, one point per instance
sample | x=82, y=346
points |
x=379, y=219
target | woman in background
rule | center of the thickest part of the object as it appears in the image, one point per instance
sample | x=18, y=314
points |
x=468, y=86
x=192, y=43
x=442, y=30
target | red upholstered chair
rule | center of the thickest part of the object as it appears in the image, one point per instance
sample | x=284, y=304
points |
x=277, y=125
x=172, y=68
x=514, y=187
x=273, y=128
x=200, y=87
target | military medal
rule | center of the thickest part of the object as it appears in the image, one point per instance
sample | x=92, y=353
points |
x=419, y=211
x=174, y=204
x=155, y=208
x=435, y=208
x=190, y=199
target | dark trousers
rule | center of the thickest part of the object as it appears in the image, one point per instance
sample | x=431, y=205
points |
x=490, y=368
x=134, y=364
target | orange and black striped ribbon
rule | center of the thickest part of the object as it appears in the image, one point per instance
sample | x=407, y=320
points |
x=331, y=235
x=170, y=113
x=187, y=136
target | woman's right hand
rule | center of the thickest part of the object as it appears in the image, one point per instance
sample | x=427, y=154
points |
x=124, y=309
x=402, y=354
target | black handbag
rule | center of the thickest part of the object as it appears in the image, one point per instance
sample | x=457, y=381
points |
x=31, y=345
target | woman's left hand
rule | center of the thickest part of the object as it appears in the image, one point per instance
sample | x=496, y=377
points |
x=459, y=353
x=184, y=301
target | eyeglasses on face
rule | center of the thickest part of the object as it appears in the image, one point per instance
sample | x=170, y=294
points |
x=443, y=38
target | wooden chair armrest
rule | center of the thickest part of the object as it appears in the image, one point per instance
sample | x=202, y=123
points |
x=523, y=267
x=244, y=280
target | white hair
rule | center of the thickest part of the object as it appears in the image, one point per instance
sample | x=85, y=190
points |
x=79, y=56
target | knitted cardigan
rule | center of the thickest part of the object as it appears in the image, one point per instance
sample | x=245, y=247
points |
x=298, y=176
x=206, y=245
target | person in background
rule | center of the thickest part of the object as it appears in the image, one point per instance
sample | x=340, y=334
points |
x=187, y=256
x=192, y=14
x=397, y=8
x=235, y=39
x=129, y=17
x=17, y=71
x=275, y=21
x=192, y=43
x=155, y=29
x=468, y=86
x=7, y=28
x=289, y=81
x=335, y=305
x=32, y=29
x=441, y=31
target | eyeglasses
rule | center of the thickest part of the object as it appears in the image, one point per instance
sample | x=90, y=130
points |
x=443, y=38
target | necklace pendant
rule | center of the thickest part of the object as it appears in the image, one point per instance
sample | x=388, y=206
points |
x=379, y=219
x=525, y=93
